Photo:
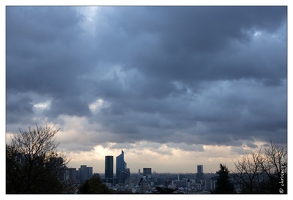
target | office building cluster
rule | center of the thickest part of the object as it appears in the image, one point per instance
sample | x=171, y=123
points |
x=122, y=172
x=80, y=175
x=144, y=181
x=84, y=173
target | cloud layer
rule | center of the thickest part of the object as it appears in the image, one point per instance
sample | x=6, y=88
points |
x=181, y=76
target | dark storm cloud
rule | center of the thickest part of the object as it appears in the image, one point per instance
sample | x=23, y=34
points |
x=19, y=108
x=40, y=24
x=185, y=43
x=46, y=52
x=71, y=106
x=188, y=75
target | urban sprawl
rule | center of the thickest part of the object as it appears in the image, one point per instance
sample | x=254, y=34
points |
x=144, y=181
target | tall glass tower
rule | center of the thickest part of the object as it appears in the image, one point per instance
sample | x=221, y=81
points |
x=121, y=167
x=108, y=167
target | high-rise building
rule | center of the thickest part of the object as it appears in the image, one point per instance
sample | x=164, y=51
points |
x=109, y=167
x=121, y=167
x=200, y=169
x=147, y=172
x=199, y=174
x=72, y=174
x=85, y=173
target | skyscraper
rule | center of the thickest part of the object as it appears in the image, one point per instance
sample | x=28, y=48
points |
x=109, y=167
x=121, y=167
x=72, y=174
x=199, y=174
x=200, y=169
x=85, y=173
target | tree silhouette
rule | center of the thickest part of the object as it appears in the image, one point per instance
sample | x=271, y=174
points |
x=263, y=171
x=33, y=165
x=94, y=186
x=223, y=184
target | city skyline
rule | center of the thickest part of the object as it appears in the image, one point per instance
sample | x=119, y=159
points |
x=110, y=165
x=174, y=87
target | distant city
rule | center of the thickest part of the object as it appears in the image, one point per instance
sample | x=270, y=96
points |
x=145, y=181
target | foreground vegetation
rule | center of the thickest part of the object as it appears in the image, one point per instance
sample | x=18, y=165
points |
x=33, y=164
x=258, y=172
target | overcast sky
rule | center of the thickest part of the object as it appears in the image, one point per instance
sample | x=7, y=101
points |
x=174, y=87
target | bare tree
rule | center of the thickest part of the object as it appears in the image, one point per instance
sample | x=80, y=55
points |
x=263, y=171
x=276, y=162
x=33, y=164
x=248, y=171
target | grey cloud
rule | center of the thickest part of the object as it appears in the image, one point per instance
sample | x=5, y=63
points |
x=19, y=108
x=194, y=75
x=114, y=109
x=222, y=112
x=251, y=145
x=139, y=147
x=47, y=51
x=71, y=106
x=189, y=31
x=75, y=147
x=40, y=24
x=186, y=147
x=122, y=146
x=238, y=150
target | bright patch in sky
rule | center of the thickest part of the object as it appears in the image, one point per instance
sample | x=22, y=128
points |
x=43, y=105
x=96, y=105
